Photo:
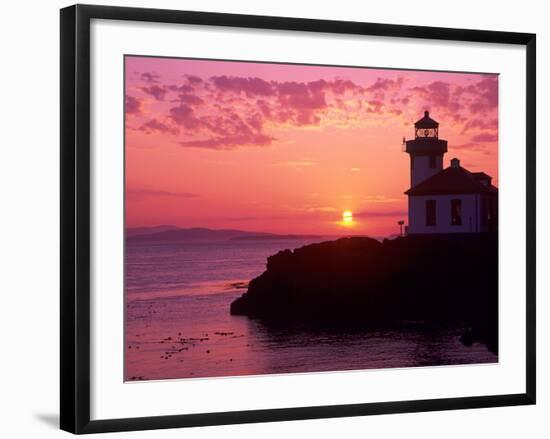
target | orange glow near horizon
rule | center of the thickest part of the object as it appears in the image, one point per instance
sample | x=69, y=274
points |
x=290, y=148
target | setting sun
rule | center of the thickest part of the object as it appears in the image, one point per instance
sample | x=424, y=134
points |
x=347, y=217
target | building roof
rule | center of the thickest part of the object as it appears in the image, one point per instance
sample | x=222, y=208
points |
x=453, y=180
x=481, y=176
x=426, y=122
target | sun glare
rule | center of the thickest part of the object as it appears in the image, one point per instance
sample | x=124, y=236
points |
x=347, y=217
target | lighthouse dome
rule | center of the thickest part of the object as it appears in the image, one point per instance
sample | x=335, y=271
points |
x=426, y=121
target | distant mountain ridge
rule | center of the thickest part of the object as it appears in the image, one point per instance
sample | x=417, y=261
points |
x=136, y=231
x=177, y=234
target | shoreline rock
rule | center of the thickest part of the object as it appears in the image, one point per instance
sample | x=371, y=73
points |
x=361, y=281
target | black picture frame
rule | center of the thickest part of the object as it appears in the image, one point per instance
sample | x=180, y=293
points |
x=75, y=217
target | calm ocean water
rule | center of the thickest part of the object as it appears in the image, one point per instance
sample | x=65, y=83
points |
x=178, y=323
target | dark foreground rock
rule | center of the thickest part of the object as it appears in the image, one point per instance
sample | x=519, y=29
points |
x=363, y=281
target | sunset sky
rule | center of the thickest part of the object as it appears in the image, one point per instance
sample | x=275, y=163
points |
x=289, y=148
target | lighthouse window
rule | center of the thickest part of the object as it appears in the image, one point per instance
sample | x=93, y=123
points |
x=430, y=213
x=432, y=161
x=456, y=212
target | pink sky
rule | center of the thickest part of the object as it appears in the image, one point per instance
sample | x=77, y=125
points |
x=288, y=148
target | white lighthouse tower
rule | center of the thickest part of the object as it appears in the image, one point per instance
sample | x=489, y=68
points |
x=426, y=150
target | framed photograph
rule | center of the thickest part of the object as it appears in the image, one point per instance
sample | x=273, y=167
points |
x=268, y=218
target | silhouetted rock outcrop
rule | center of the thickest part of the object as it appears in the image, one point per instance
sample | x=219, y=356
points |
x=364, y=281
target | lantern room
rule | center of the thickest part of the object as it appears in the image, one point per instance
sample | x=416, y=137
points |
x=426, y=127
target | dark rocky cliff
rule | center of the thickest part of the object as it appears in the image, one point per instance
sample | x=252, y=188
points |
x=364, y=281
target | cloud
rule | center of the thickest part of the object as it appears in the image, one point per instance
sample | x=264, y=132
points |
x=225, y=130
x=255, y=121
x=473, y=146
x=375, y=106
x=485, y=137
x=183, y=88
x=380, y=213
x=234, y=119
x=194, y=79
x=132, y=105
x=243, y=109
x=491, y=124
x=437, y=94
x=466, y=145
x=338, y=86
x=480, y=143
x=184, y=115
x=138, y=194
x=380, y=199
x=154, y=90
x=248, y=86
x=473, y=106
x=322, y=209
x=281, y=103
x=150, y=77
x=229, y=142
x=153, y=125
x=486, y=95
x=264, y=107
x=301, y=107
x=297, y=164
x=190, y=99
x=301, y=102
x=385, y=84
x=294, y=88
x=228, y=112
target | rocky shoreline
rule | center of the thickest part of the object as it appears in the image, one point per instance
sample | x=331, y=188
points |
x=361, y=281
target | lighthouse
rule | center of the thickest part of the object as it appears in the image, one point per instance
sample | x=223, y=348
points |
x=446, y=201
x=426, y=150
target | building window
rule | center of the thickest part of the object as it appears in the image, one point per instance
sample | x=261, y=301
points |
x=432, y=161
x=430, y=213
x=456, y=212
